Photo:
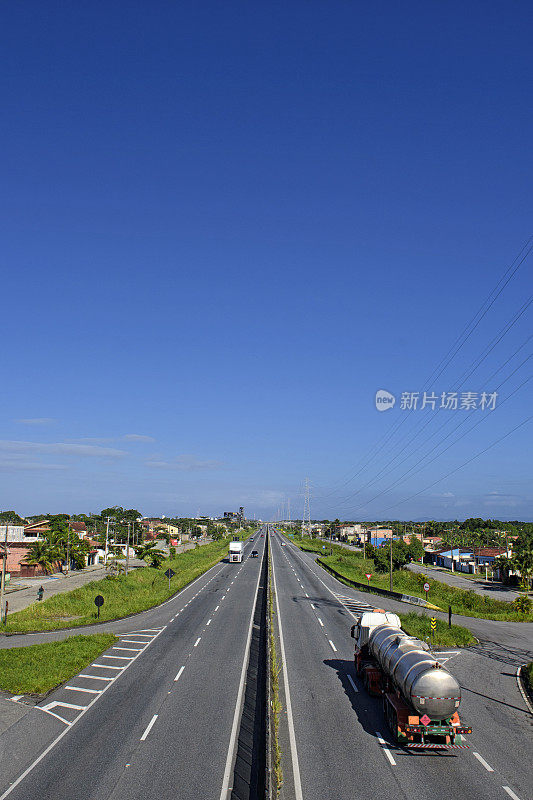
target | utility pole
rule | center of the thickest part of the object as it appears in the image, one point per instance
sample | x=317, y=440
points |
x=106, y=542
x=3, y=582
x=307, y=510
x=128, y=549
x=391, y=541
x=289, y=510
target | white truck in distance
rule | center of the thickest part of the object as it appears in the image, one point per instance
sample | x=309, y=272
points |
x=235, y=551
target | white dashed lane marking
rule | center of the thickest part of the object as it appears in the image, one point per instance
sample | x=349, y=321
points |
x=482, y=761
x=149, y=728
x=385, y=748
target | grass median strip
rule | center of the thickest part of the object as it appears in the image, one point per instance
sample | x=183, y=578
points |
x=352, y=566
x=123, y=595
x=41, y=667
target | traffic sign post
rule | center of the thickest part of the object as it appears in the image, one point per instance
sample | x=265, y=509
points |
x=426, y=589
x=98, y=601
x=368, y=576
x=170, y=574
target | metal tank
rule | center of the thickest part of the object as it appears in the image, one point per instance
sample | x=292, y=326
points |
x=416, y=673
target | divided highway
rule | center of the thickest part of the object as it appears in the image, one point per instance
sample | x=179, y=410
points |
x=155, y=716
x=343, y=747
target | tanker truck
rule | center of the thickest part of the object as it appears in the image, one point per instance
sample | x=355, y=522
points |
x=420, y=697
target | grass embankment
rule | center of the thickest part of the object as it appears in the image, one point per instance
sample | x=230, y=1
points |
x=40, y=667
x=353, y=566
x=123, y=595
x=419, y=625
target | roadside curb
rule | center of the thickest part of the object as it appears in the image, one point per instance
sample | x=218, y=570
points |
x=521, y=685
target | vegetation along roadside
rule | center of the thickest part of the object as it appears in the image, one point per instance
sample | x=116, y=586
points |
x=468, y=603
x=41, y=667
x=123, y=595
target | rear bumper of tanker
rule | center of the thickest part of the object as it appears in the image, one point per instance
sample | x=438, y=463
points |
x=434, y=737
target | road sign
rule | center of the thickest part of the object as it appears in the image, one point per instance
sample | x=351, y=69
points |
x=425, y=720
x=368, y=575
x=98, y=601
x=170, y=574
x=433, y=623
x=323, y=547
x=426, y=587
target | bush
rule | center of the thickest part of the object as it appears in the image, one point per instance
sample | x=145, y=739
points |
x=522, y=604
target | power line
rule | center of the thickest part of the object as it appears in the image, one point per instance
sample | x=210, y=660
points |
x=447, y=358
x=429, y=419
x=481, y=452
x=438, y=455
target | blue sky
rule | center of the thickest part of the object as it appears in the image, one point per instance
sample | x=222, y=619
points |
x=226, y=226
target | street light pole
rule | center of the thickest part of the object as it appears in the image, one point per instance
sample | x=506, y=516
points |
x=391, y=540
x=3, y=581
x=128, y=549
x=106, y=542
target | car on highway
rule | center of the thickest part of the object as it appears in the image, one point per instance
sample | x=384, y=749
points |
x=254, y=554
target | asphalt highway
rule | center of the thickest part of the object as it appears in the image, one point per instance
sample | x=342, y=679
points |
x=343, y=747
x=155, y=715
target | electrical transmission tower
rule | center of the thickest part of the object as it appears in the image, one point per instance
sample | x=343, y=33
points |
x=306, y=517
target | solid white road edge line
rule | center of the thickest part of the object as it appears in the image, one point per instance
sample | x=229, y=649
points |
x=233, y=736
x=385, y=748
x=290, y=721
x=482, y=761
x=70, y=725
x=149, y=728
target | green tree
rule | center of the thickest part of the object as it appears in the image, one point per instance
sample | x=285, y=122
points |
x=43, y=554
x=415, y=549
x=523, y=556
x=11, y=518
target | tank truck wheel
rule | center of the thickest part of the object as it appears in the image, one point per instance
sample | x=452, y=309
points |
x=392, y=721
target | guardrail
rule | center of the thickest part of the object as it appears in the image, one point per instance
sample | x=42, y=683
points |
x=363, y=587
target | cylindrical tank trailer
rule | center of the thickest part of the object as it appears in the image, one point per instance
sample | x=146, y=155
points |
x=420, y=696
x=416, y=673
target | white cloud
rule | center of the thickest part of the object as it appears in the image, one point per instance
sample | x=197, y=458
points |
x=128, y=437
x=185, y=463
x=22, y=466
x=36, y=421
x=62, y=448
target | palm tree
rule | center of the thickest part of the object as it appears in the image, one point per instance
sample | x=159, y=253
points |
x=43, y=554
x=523, y=558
